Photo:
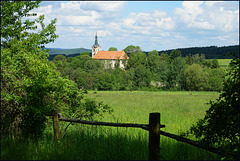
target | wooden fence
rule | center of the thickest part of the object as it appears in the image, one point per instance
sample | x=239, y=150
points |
x=153, y=127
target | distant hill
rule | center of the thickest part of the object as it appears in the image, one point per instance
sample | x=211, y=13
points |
x=67, y=51
x=210, y=52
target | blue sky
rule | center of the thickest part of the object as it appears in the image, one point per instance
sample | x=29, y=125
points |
x=152, y=25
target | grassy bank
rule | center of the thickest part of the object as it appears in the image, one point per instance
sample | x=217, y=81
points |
x=84, y=142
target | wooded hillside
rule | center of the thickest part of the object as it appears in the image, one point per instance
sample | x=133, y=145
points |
x=210, y=52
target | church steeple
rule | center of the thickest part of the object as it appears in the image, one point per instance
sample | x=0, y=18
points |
x=96, y=47
x=96, y=41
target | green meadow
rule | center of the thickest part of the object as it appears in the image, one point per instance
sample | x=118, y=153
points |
x=179, y=110
x=224, y=63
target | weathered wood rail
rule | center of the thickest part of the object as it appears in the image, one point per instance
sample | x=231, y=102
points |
x=153, y=127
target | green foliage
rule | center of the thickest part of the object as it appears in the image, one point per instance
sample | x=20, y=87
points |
x=31, y=86
x=220, y=126
x=93, y=108
x=129, y=50
x=137, y=59
x=104, y=81
x=175, y=53
x=60, y=61
x=112, y=49
x=142, y=76
x=153, y=61
x=12, y=26
x=215, y=80
x=210, y=52
x=195, y=78
x=215, y=63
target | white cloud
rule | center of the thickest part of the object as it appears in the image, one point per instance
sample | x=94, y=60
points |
x=224, y=19
x=208, y=15
x=193, y=22
x=103, y=6
x=104, y=33
x=147, y=22
x=81, y=20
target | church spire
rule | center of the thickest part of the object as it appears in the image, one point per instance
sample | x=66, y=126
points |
x=96, y=47
x=96, y=41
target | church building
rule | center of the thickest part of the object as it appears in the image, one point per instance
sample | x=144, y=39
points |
x=111, y=58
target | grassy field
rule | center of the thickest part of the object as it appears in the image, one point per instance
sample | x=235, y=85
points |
x=179, y=110
x=224, y=62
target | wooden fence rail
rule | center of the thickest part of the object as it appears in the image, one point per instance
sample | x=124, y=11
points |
x=143, y=126
x=153, y=127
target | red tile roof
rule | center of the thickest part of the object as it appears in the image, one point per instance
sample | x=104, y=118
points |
x=110, y=55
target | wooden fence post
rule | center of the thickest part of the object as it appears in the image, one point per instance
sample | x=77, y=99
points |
x=154, y=136
x=55, y=124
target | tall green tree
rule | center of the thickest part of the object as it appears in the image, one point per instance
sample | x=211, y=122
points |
x=60, y=61
x=195, y=78
x=112, y=49
x=175, y=53
x=136, y=60
x=220, y=125
x=142, y=76
x=13, y=26
x=153, y=61
x=176, y=70
x=129, y=50
x=30, y=85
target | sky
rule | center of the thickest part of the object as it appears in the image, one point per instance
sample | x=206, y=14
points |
x=152, y=25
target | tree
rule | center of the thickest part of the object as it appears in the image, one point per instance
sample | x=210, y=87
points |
x=104, y=81
x=189, y=59
x=26, y=75
x=129, y=50
x=79, y=61
x=195, y=78
x=12, y=26
x=142, y=76
x=196, y=59
x=215, y=63
x=60, y=61
x=137, y=59
x=112, y=49
x=220, y=125
x=215, y=80
x=164, y=57
x=176, y=70
x=85, y=53
x=163, y=72
x=153, y=61
x=175, y=53
x=30, y=85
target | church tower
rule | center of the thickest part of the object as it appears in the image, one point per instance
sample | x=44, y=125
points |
x=96, y=47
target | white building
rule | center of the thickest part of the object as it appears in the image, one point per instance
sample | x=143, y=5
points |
x=110, y=58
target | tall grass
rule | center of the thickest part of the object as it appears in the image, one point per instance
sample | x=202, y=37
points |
x=85, y=142
x=98, y=143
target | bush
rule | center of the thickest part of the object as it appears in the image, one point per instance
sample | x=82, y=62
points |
x=220, y=126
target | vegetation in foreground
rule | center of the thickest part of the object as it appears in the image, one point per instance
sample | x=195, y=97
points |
x=93, y=143
x=85, y=142
x=31, y=86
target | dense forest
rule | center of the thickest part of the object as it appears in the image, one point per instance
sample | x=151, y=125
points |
x=210, y=52
x=153, y=72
